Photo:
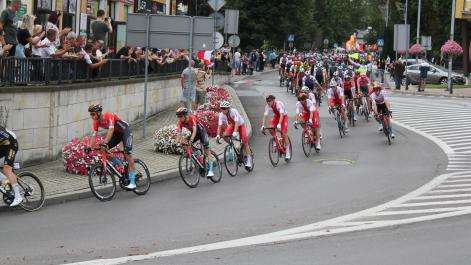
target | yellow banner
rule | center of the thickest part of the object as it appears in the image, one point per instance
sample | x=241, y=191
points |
x=354, y=56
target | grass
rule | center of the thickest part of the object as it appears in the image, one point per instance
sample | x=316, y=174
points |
x=445, y=86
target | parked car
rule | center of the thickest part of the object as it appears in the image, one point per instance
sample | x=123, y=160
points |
x=436, y=75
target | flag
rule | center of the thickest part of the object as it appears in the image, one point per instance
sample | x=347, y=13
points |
x=205, y=56
x=354, y=56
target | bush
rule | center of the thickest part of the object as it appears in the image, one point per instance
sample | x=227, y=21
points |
x=76, y=161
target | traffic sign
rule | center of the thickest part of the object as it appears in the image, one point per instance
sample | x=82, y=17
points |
x=427, y=42
x=216, y=4
x=234, y=41
x=219, y=20
x=291, y=37
x=219, y=41
x=380, y=42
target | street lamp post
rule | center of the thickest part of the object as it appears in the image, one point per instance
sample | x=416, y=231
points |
x=407, y=49
x=450, y=58
x=418, y=21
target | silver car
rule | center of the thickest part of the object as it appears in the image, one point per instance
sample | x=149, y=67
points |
x=435, y=75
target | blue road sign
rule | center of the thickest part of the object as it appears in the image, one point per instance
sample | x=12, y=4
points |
x=291, y=37
x=380, y=42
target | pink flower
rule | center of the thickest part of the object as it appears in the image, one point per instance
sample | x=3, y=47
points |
x=416, y=49
x=451, y=48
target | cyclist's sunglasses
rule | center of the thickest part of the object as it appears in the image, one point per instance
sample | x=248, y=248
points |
x=93, y=114
x=224, y=108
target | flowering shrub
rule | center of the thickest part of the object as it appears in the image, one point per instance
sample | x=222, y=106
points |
x=76, y=161
x=215, y=96
x=209, y=119
x=451, y=48
x=416, y=49
x=165, y=140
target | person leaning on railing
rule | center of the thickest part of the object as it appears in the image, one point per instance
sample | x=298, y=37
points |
x=88, y=58
x=4, y=48
x=49, y=50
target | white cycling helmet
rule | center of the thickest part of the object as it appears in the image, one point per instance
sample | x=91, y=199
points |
x=336, y=73
x=333, y=83
x=225, y=104
x=305, y=89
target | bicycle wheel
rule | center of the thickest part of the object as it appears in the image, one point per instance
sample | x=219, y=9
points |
x=290, y=151
x=366, y=111
x=32, y=191
x=273, y=152
x=306, y=143
x=102, y=183
x=189, y=171
x=281, y=81
x=230, y=160
x=339, y=125
x=217, y=170
x=142, y=177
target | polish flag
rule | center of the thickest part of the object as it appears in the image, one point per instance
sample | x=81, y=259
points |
x=205, y=56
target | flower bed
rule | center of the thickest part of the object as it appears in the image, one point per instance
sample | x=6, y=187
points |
x=76, y=161
x=165, y=140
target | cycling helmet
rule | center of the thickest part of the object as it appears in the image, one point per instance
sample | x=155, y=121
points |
x=336, y=73
x=270, y=97
x=333, y=83
x=305, y=89
x=182, y=111
x=347, y=77
x=376, y=86
x=225, y=104
x=95, y=108
x=302, y=96
x=301, y=70
x=340, y=67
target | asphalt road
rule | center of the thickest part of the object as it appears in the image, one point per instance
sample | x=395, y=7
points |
x=270, y=199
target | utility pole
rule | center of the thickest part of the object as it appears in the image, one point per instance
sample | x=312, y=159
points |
x=407, y=49
x=450, y=59
x=418, y=21
x=387, y=13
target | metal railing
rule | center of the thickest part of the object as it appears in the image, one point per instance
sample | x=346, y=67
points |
x=39, y=71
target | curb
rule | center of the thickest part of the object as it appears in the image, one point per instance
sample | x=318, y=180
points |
x=429, y=94
x=158, y=177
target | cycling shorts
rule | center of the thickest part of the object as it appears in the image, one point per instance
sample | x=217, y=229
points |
x=125, y=137
x=284, y=125
x=202, y=136
x=338, y=102
x=348, y=94
x=242, y=132
x=9, y=150
x=382, y=108
x=315, y=118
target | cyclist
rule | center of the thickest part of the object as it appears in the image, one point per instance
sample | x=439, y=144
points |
x=320, y=74
x=307, y=112
x=309, y=81
x=283, y=64
x=337, y=79
x=348, y=85
x=198, y=132
x=236, y=124
x=336, y=98
x=118, y=131
x=279, y=120
x=363, y=83
x=382, y=105
x=8, y=150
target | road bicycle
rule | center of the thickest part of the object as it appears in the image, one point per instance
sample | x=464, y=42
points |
x=193, y=165
x=318, y=95
x=31, y=189
x=365, y=108
x=102, y=176
x=350, y=112
x=383, y=119
x=282, y=79
x=308, y=139
x=234, y=156
x=340, y=123
x=276, y=147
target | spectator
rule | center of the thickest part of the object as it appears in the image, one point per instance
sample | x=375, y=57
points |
x=88, y=58
x=189, y=87
x=201, y=77
x=24, y=36
x=273, y=58
x=53, y=21
x=4, y=48
x=263, y=59
x=38, y=35
x=80, y=43
x=49, y=50
x=424, y=68
x=398, y=73
x=8, y=24
x=253, y=61
x=98, y=55
x=381, y=69
x=237, y=61
x=126, y=53
x=101, y=26
x=245, y=63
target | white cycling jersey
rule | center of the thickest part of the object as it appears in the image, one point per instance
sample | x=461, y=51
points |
x=331, y=94
x=311, y=106
x=380, y=98
x=280, y=107
x=234, y=115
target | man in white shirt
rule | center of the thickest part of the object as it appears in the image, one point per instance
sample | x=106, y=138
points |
x=49, y=50
x=237, y=65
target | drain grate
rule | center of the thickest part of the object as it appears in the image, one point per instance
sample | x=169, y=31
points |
x=335, y=162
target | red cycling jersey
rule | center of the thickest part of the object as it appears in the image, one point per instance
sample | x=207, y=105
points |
x=110, y=120
x=191, y=122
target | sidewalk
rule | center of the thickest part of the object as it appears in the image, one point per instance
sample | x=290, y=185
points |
x=457, y=92
x=61, y=186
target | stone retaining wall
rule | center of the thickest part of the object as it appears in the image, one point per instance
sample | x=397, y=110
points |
x=44, y=118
